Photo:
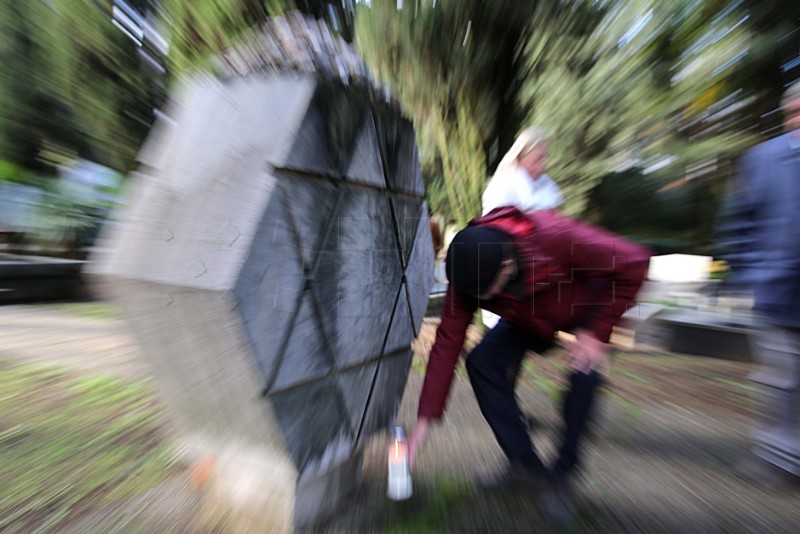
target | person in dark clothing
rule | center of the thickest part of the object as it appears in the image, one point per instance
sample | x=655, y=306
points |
x=541, y=273
x=760, y=236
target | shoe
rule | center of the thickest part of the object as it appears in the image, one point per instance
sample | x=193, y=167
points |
x=563, y=481
x=554, y=497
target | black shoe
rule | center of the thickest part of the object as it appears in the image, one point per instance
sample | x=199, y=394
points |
x=563, y=480
x=560, y=474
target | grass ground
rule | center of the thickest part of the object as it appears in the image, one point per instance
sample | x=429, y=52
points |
x=90, y=310
x=85, y=447
x=71, y=445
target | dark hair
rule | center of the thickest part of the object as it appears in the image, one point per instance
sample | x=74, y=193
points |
x=474, y=258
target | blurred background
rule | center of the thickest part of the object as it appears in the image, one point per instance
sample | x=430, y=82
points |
x=648, y=102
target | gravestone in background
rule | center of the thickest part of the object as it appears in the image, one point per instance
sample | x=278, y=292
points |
x=275, y=262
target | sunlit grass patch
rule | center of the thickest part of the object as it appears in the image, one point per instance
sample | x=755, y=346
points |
x=429, y=518
x=91, y=310
x=71, y=445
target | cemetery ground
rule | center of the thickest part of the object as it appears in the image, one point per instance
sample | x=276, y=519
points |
x=86, y=447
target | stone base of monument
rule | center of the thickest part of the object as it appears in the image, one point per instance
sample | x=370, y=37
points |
x=319, y=497
x=260, y=489
x=248, y=483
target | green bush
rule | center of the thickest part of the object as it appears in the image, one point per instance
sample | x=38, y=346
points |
x=65, y=218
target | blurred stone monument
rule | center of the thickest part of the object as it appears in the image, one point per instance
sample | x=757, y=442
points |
x=275, y=261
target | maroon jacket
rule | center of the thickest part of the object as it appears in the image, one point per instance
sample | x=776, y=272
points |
x=572, y=274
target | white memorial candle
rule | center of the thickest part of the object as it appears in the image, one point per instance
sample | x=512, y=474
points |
x=399, y=487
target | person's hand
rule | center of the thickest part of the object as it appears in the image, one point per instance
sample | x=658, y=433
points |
x=587, y=353
x=417, y=439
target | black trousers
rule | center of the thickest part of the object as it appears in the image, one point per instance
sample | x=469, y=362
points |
x=493, y=367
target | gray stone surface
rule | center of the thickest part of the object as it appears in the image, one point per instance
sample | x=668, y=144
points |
x=777, y=382
x=387, y=392
x=420, y=270
x=409, y=212
x=365, y=165
x=354, y=393
x=304, y=337
x=402, y=157
x=270, y=284
x=359, y=278
x=402, y=324
x=327, y=137
x=273, y=279
x=306, y=415
x=317, y=497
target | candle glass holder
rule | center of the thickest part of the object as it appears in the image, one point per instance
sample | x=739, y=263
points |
x=399, y=486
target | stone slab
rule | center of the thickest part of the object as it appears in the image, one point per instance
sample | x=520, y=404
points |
x=260, y=263
x=705, y=334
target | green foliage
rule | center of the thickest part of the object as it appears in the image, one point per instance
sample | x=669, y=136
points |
x=463, y=164
x=615, y=83
x=203, y=28
x=14, y=173
x=65, y=217
x=679, y=85
x=450, y=493
x=631, y=83
x=72, y=85
x=70, y=446
x=452, y=65
x=666, y=215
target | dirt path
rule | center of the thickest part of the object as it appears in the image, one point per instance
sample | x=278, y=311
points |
x=56, y=334
x=671, y=427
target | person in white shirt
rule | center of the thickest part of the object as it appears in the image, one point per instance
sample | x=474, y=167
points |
x=520, y=181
